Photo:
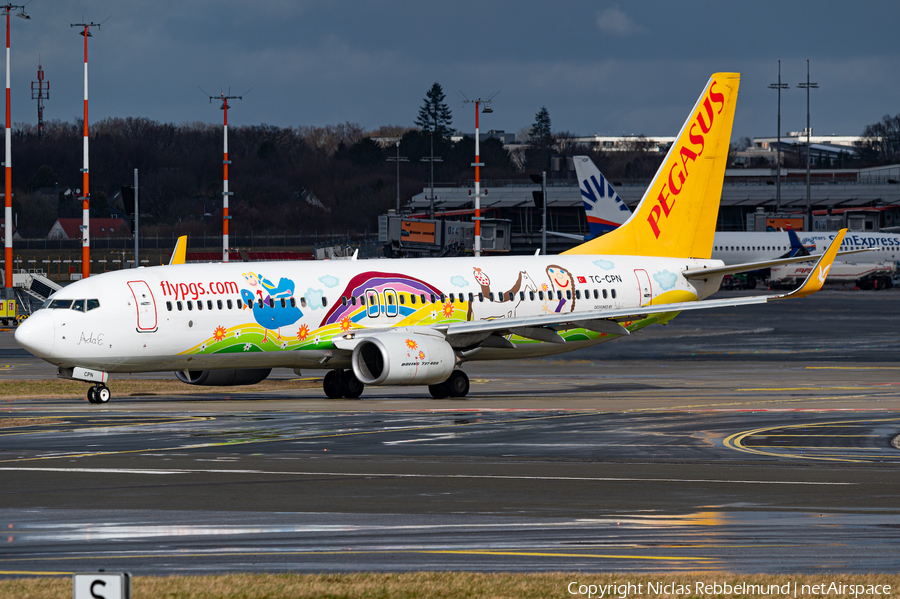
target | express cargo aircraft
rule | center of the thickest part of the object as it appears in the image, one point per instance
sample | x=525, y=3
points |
x=415, y=321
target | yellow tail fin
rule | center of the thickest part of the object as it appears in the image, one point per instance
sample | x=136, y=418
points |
x=180, y=252
x=677, y=215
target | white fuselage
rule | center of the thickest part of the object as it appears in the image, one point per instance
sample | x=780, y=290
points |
x=741, y=248
x=196, y=316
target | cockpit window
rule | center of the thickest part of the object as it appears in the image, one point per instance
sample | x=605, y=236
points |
x=92, y=304
x=60, y=304
x=78, y=305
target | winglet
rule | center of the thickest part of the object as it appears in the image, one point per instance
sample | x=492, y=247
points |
x=816, y=278
x=180, y=251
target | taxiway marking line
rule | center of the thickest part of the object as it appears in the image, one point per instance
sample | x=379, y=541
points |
x=215, y=554
x=77, y=428
x=163, y=471
x=857, y=388
x=852, y=367
x=735, y=441
x=33, y=573
x=814, y=436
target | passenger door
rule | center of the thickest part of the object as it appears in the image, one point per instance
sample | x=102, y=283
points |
x=145, y=305
x=644, y=288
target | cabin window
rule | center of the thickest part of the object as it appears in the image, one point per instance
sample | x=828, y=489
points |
x=362, y=300
x=390, y=299
x=432, y=298
x=559, y=295
x=219, y=304
x=352, y=300
x=283, y=303
x=169, y=306
x=343, y=301
x=228, y=303
x=471, y=298
x=422, y=297
x=92, y=304
x=613, y=293
x=491, y=296
x=480, y=297
x=531, y=295
x=190, y=305
x=260, y=302
x=302, y=302
x=240, y=305
x=324, y=301
x=604, y=293
x=521, y=296
x=452, y=298
x=199, y=305
x=209, y=304
x=78, y=305
x=541, y=295
x=402, y=300
x=412, y=299
x=294, y=303
x=578, y=294
x=179, y=305
x=568, y=294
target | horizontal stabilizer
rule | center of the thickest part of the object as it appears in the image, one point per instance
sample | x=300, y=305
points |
x=704, y=273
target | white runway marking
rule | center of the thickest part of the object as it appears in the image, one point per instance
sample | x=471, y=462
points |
x=401, y=475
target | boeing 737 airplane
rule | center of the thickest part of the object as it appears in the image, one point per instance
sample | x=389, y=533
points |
x=605, y=211
x=414, y=321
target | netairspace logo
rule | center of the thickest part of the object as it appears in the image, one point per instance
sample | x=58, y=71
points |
x=625, y=590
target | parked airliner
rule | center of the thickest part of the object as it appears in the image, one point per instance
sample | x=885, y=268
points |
x=415, y=321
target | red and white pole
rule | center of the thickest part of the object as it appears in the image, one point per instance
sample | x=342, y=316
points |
x=225, y=193
x=477, y=187
x=7, y=189
x=85, y=191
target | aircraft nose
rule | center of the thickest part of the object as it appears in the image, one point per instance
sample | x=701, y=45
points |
x=36, y=333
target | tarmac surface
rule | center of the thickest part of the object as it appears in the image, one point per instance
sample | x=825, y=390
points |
x=760, y=439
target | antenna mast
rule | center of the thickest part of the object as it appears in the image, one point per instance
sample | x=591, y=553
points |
x=40, y=91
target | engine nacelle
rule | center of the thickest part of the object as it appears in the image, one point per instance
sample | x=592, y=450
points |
x=224, y=378
x=403, y=359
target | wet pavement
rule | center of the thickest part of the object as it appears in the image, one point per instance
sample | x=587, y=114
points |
x=761, y=444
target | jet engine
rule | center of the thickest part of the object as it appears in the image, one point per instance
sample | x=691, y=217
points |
x=403, y=359
x=223, y=378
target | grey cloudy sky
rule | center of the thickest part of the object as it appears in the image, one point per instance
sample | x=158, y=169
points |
x=599, y=67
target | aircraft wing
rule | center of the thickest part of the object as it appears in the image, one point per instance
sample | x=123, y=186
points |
x=544, y=327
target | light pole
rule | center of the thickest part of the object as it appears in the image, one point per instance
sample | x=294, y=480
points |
x=779, y=86
x=225, y=162
x=398, y=160
x=85, y=189
x=7, y=189
x=807, y=86
x=432, y=160
x=478, y=164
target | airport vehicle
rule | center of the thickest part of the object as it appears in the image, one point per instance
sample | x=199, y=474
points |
x=605, y=210
x=414, y=321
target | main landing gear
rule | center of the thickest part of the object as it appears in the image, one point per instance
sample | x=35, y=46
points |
x=455, y=386
x=342, y=383
x=98, y=394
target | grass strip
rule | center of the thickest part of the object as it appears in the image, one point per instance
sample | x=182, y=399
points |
x=62, y=388
x=461, y=585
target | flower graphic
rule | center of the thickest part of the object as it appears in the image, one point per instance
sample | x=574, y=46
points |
x=219, y=333
x=434, y=315
x=411, y=344
x=247, y=346
x=317, y=339
x=421, y=355
x=545, y=287
x=284, y=345
x=345, y=323
x=303, y=333
x=237, y=334
x=202, y=347
x=448, y=309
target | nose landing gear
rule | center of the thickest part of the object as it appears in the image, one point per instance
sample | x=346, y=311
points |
x=98, y=394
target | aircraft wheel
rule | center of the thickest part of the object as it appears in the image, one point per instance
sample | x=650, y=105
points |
x=458, y=384
x=351, y=386
x=92, y=394
x=332, y=385
x=102, y=394
x=439, y=391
